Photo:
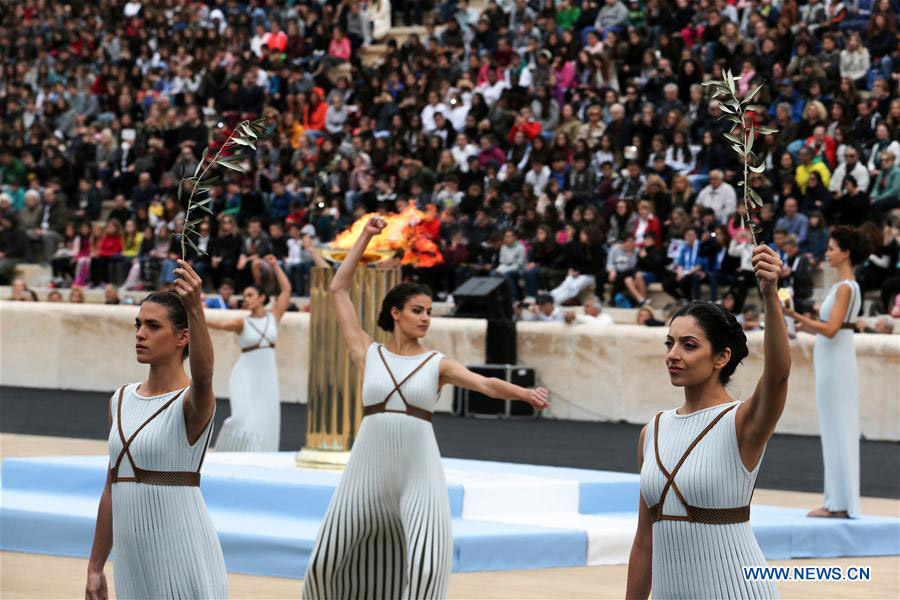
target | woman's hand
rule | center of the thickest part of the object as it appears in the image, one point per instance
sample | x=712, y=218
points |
x=767, y=267
x=96, y=588
x=538, y=398
x=189, y=286
x=374, y=226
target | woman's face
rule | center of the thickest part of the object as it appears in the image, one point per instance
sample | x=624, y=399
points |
x=689, y=355
x=415, y=318
x=834, y=255
x=252, y=298
x=76, y=296
x=541, y=235
x=155, y=336
x=621, y=208
x=786, y=161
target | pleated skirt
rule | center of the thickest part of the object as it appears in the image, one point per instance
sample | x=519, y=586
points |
x=255, y=421
x=164, y=544
x=387, y=532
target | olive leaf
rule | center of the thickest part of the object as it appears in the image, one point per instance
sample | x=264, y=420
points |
x=741, y=141
x=244, y=135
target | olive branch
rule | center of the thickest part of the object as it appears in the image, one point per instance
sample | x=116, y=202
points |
x=742, y=136
x=245, y=135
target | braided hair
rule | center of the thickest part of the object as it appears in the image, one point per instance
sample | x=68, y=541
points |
x=722, y=330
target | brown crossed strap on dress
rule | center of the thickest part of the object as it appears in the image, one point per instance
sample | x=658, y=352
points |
x=695, y=514
x=262, y=336
x=184, y=478
x=413, y=411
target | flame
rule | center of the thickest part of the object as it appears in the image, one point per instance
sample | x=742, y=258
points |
x=412, y=230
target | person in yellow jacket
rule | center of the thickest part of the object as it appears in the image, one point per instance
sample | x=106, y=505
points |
x=808, y=165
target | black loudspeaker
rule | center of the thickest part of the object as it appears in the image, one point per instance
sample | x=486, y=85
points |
x=489, y=298
x=500, y=346
x=483, y=298
x=474, y=404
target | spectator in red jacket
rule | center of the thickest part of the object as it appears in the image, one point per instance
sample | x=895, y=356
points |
x=647, y=223
x=110, y=247
x=823, y=146
x=526, y=124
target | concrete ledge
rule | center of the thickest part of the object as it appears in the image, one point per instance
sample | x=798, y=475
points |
x=593, y=372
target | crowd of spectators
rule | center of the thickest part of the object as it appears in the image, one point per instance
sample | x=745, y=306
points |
x=568, y=146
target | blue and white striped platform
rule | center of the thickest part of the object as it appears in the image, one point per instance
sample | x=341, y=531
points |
x=505, y=516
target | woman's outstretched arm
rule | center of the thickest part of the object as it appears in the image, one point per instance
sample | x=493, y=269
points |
x=455, y=373
x=757, y=417
x=355, y=337
x=283, y=300
x=200, y=402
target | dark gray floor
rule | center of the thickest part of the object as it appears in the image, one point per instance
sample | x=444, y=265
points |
x=792, y=462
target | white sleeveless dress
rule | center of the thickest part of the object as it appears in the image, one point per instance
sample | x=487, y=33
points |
x=255, y=421
x=701, y=560
x=387, y=532
x=837, y=398
x=164, y=542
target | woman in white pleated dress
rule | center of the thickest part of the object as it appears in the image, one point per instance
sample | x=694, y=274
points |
x=699, y=462
x=387, y=532
x=255, y=421
x=837, y=379
x=152, y=515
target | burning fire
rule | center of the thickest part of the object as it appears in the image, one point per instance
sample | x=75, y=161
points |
x=411, y=230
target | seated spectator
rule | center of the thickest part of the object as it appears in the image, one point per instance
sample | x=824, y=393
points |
x=225, y=298
x=883, y=143
x=646, y=318
x=807, y=166
x=719, y=196
x=109, y=249
x=622, y=273
x=886, y=192
x=722, y=266
x=816, y=239
x=690, y=270
x=585, y=260
x=592, y=313
x=111, y=294
x=793, y=222
x=796, y=273
x=512, y=261
x=545, y=309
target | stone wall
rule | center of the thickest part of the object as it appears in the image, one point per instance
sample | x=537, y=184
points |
x=593, y=372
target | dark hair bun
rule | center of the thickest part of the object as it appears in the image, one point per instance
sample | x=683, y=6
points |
x=397, y=297
x=852, y=240
x=722, y=330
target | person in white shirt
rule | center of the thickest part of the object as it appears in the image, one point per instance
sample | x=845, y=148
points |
x=461, y=152
x=492, y=89
x=545, y=310
x=258, y=42
x=538, y=176
x=459, y=110
x=434, y=106
x=850, y=166
x=719, y=196
x=593, y=313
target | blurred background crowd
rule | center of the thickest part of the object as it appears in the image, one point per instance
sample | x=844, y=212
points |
x=565, y=145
